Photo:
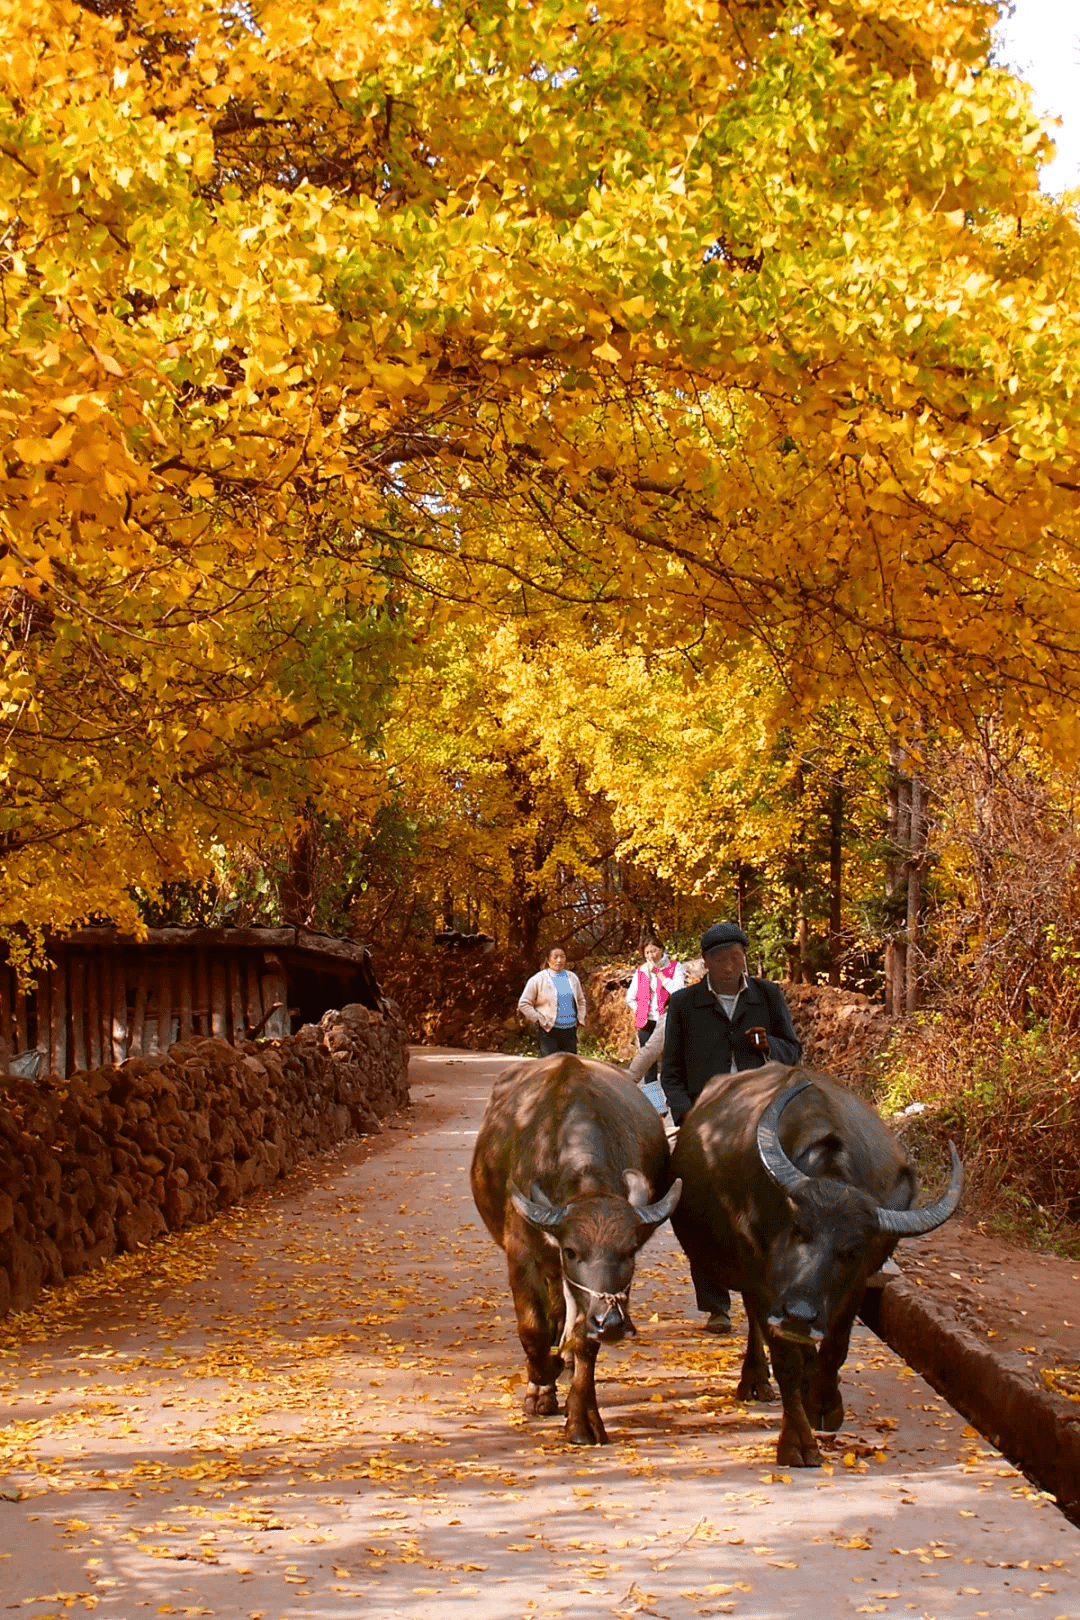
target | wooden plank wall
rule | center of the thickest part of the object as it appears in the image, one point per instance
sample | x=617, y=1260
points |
x=100, y=1006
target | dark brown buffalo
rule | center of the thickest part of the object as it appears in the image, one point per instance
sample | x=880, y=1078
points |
x=795, y=1192
x=592, y=1152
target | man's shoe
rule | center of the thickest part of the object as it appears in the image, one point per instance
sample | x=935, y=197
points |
x=719, y=1322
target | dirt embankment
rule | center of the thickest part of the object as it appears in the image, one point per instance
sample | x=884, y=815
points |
x=457, y=998
x=841, y=1030
x=470, y=1000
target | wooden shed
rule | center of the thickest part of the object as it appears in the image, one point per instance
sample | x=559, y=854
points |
x=108, y=996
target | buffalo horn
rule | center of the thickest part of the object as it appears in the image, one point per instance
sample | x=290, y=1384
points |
x=538, y=1214
x=773, y=1157
x=657, y=1214
x=914, y=1222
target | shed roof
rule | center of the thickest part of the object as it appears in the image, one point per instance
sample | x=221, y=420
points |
x=267, y=939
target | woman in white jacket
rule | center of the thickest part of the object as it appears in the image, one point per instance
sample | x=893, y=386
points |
x=554, y=1001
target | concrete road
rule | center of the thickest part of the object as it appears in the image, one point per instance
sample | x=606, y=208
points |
x=312, y=1407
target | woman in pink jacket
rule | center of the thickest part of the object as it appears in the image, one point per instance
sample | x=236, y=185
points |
x=650, y=989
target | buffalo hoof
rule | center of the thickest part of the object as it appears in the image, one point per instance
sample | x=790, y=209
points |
x=587, y=1429
x=541, y=1400
x=755, y=1389
x=791, y=1453
x=830, y=1418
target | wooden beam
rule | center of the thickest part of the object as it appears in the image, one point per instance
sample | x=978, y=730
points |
x=164, y=1005
x=236, y=1001
x=93, y=1012
x=324, y=945
x=44, y=1020
x=186, y=970
x=77, y=999
x=219, y=998
x=19, y=1014
x=275, y=988
x=119, y=1007
x=255, y=1008
x=105, y=972
x=138, y=1016
x=200, y=1012
x=58, y=1010
x=7, y=1034
x=201, y=1005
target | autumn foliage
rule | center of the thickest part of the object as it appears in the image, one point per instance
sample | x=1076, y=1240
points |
x=343, y=345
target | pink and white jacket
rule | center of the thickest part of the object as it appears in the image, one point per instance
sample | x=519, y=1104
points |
x=649, y=994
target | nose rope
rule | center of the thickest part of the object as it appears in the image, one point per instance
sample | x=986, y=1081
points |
x=609, y=1299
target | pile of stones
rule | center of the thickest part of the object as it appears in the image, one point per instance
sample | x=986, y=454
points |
x=110, y=1158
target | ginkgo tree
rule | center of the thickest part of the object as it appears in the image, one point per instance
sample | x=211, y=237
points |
x=582, y=792
x=715, y=324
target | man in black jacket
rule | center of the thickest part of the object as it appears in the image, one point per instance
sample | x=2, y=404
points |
x=725, y=1023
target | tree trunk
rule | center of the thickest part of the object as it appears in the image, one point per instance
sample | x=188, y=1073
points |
x=836, y=878
x=799, y=957
x=916, y=846
x=794, y=965
x=523, y=925
x=802, y=941
x=297, y=892
x=899, y=834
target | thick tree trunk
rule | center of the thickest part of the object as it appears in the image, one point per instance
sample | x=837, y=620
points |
x=297, y=892
x=523, y=925
x=525, y=912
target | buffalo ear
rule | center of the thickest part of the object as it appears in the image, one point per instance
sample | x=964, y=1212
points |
x=544, y=1214
x=654, y=1215
x=638, y=1190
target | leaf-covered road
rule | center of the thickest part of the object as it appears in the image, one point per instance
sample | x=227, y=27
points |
x=313, y=1408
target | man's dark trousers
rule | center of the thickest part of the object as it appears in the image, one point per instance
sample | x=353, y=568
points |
x=700, y=1041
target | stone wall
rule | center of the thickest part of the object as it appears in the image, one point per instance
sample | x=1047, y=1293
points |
x=110, y=1158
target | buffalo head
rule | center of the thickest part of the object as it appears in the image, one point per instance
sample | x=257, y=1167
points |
x=598, y=1237
x=836, y=1234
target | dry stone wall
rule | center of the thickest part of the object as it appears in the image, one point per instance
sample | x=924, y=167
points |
x=110, y=1158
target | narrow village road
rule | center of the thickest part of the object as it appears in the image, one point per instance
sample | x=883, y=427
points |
x=312, y=1408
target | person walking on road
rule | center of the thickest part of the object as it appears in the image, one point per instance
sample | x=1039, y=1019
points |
x=726, y=1023
x=650, y=989
x=554, y=1001
x=648, y=1056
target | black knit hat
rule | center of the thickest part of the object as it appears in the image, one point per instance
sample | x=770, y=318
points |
x=722, y=934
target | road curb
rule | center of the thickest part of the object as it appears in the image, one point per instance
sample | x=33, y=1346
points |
x=1005, y=1400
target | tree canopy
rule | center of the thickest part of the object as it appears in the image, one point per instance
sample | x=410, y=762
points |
x=735, y=333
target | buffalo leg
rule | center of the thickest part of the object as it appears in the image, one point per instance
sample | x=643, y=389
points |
x=754, y=1381
x=823, y=1401
x=584, y=1425
x=536, y=1332
x=796, y=1447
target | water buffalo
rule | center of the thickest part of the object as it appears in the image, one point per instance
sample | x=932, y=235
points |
x=592, y=1151
x=795, y=1192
